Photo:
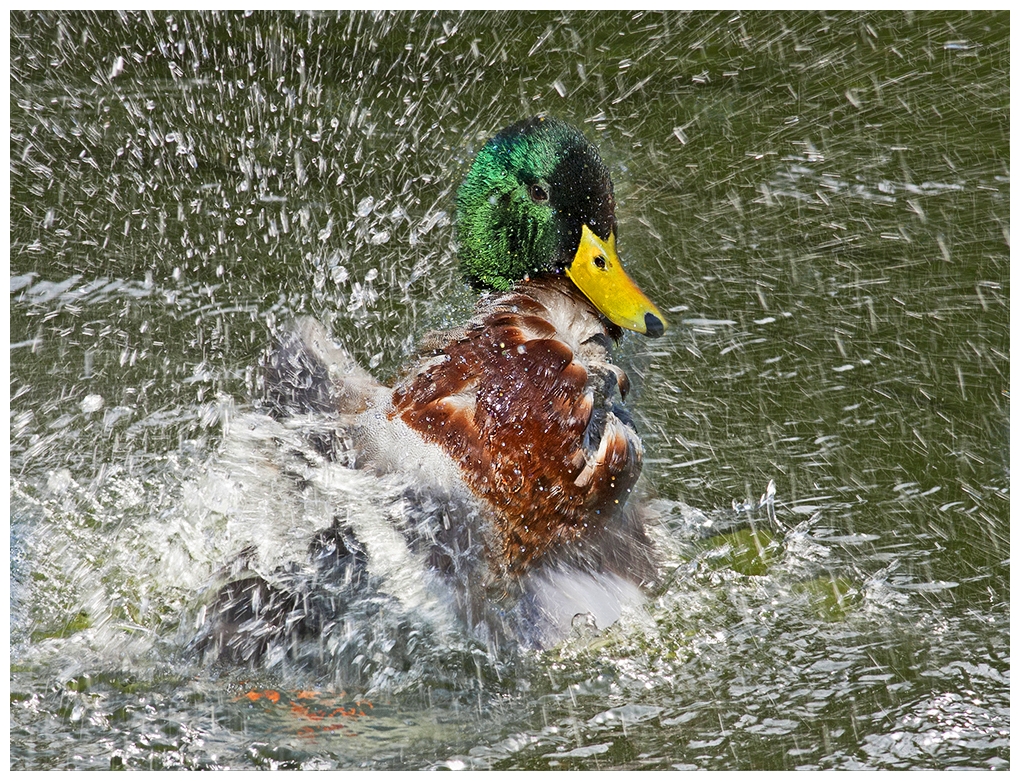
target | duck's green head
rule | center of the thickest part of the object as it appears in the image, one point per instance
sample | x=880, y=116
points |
x=538, y=199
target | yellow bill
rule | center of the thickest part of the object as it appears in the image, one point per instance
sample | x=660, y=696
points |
x=598, y=273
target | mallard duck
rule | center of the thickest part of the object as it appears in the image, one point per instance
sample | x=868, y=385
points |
x=510, y=430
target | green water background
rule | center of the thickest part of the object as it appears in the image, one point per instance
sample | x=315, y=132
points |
x=820, y=203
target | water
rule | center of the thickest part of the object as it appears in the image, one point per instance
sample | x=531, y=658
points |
x=821, y=204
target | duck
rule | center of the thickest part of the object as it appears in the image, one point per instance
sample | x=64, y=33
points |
x=510, y=432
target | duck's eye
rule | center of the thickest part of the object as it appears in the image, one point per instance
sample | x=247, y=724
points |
x=600, y=262
x=537, y=193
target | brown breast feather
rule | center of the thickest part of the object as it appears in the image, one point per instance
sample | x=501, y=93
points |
x=531, y=427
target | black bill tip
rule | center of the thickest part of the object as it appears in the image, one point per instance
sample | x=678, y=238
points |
x=654, y=327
